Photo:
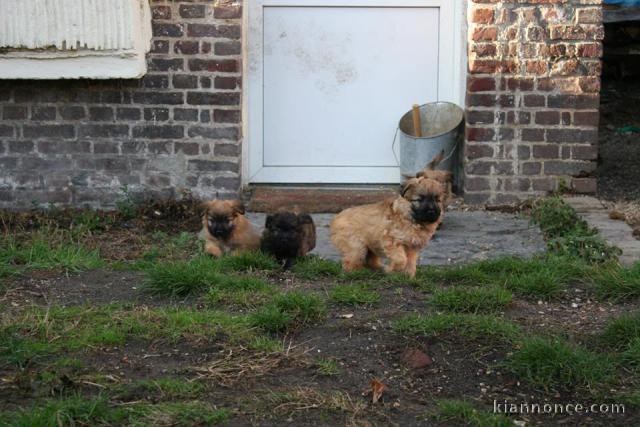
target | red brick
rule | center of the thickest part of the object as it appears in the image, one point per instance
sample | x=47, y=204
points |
x=484, y=34
x=482, y=16
x=481, y=84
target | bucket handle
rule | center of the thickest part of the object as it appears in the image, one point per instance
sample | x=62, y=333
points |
x=393, y=149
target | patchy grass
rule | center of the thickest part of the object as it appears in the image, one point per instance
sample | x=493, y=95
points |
x=470, y=326
x=247, y=262
x=47, y=250
x=631, y=355
x=328, y=367
x=543, y=277
x=241, y=297
x=472, y=300
x=288, y=403
x=182, y=278
x=289, y=311
x=42, y=332
x=465, y=413
x=617, y=283
x=354, y=294
x=182, y=414
x=159, y=389
x=76, y=410
x=553, y=363
x=621, y=331
x=314, y=267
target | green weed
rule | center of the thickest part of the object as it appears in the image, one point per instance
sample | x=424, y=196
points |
x=569, y=235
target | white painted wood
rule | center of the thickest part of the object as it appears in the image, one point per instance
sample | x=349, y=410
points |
x=329, y=80
x=49, y=39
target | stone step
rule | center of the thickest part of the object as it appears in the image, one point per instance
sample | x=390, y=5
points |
x=327, y=199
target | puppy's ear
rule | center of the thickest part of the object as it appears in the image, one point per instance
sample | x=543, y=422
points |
x=305, y=219
x=203, y=207
x=407, y=185
x=238, y=207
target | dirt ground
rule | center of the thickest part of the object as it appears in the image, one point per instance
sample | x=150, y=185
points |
x=619, y=152
x=619, y=149
x=363, y=345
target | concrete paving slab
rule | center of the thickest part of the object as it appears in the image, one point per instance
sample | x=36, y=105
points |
x=464, y=237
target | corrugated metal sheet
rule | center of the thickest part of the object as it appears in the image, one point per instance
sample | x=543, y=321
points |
x=68, y=24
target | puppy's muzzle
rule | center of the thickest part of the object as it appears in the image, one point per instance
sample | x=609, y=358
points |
x=220, y=230
x=425, y=214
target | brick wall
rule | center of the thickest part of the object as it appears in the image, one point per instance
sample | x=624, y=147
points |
x=532, y=97
x=79, y=142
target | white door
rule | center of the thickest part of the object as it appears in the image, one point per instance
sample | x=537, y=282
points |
x=328, y=81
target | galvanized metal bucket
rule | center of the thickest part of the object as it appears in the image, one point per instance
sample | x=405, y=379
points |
x=442, y=128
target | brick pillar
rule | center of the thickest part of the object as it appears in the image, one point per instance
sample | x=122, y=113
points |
x=532, y=98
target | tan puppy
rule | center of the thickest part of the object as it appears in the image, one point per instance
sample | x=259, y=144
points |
x=226, y=229
x=396, y=228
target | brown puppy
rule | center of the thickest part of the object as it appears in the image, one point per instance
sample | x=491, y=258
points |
x=396, y=228
x=226, y=229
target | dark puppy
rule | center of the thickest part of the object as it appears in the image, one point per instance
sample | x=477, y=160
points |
x=288, y=235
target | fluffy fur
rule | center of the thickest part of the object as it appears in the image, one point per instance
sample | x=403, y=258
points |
x=288, y=235
x=396, y=229
x=226, y=229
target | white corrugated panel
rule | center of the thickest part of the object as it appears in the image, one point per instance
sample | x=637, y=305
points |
x=68, y=24
x=78, y=38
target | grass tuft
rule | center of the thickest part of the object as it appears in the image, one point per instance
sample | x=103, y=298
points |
x=463, y=412
x=354, y=294
x=247, y=261
x=314, y=267
x=617, y=283
x=553, y=363
x=470, y=326
x=159, y=388
x=44, y=251
x=182, y=278
x=472, y=300
x=328, y=367
x=288, y=311
x=620, y=332
x=76, y=410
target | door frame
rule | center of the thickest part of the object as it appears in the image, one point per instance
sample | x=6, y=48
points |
x=458, y=57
